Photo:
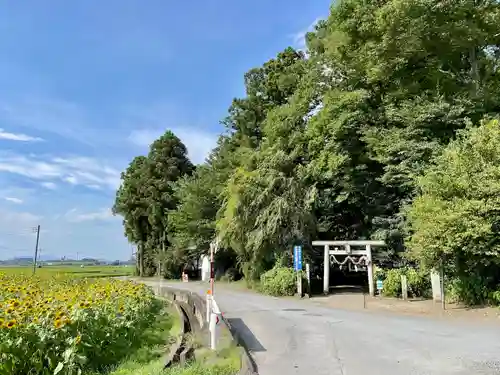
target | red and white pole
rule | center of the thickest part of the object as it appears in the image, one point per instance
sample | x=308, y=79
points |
x=212, y=270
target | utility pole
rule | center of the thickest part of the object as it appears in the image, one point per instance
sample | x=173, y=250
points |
x=37, y=231
x=214, y=246
x=212, y=269
x=443, y=301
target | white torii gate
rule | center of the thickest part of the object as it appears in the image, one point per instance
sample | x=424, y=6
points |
x=366, y=253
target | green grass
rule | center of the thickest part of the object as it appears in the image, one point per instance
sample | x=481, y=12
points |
x=150, y=359
x=72, y=271
x=155, y=344
x=157, y=368
x=225, y=363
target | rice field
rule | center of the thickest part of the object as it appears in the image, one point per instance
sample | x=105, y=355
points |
x=74, y=271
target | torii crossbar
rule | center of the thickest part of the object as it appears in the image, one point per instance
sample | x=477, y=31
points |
x=366, y=252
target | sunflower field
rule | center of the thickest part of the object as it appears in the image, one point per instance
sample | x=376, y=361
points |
x=70, y=326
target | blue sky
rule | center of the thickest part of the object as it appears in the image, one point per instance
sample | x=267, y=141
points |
x=86, y=85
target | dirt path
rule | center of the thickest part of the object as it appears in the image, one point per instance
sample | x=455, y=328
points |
x=413, y=308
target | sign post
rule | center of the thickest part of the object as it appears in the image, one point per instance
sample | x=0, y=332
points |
x=308, y=278
x=297, y=265
x=212, y=273
x=214, y=246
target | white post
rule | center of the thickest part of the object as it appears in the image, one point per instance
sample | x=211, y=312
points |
x=436, y=286
x=404, y=287
x=213, y=331
x=326, y=271
x=209, y=307
x=348, y=249
x=371, y=287
x=299, y=284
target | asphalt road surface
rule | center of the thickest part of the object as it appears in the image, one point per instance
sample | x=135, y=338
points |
x=299, y=337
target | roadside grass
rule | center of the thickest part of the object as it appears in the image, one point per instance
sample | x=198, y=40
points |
x=225, y=360
x=155, y=343
x=223, y=366
x=157, y=368
x=149, y=359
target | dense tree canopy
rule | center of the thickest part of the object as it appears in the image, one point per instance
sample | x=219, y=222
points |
x=456, y=219
x=332, y=142
x=146, y=196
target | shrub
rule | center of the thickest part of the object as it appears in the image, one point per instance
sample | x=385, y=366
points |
x=392, y=283
x=279, y=281
x=231, y=274
x=455, y=219
x=419, y=283
x=495, y=297
x=380, y=273
x=472, y=290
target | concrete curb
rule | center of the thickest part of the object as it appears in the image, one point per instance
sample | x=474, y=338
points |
x=173, y=355
x=186, y=349
x=196, y=306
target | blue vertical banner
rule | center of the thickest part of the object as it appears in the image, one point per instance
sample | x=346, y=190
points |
x=297, y=258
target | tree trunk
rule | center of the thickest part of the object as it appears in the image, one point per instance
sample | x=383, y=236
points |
x=141, y=260
x=474, y=71
x=137, y=261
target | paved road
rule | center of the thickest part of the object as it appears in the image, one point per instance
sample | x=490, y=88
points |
x=300, y=337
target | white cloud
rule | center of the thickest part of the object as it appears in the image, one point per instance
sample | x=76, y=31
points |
x=18, y=222
x=299, y=38
x=74, y=170
x=198, y=142
x=100, y=215
x=144, y=137
x=47, y=114
x=49, y=185
x=14, y=200
x=20, y=137
x=71, y=180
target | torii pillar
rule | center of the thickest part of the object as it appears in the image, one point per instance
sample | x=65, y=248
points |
x=347, y=251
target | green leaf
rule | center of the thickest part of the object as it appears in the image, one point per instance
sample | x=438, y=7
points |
x=59, y=368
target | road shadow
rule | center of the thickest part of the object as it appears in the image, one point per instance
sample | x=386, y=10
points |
x=244, y=333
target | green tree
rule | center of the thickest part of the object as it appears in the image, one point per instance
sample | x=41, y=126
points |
x=332, y=145
x=146, y=195
x=131, y=204
x=456, y=218
x=422, y=68
x=192, y=223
